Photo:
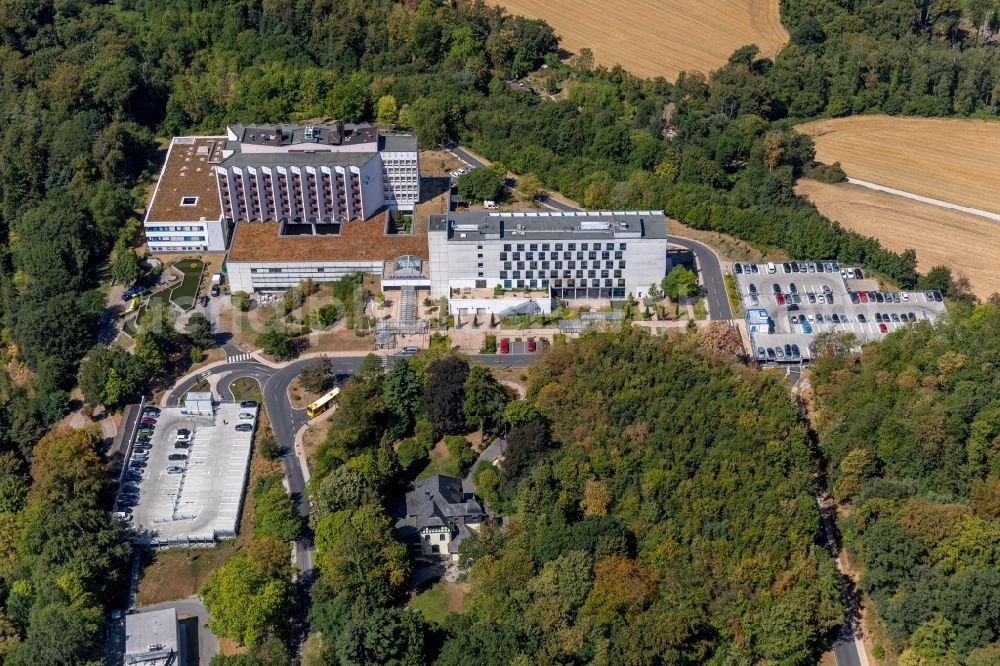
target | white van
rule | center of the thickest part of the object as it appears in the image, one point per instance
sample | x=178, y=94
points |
x=771, y=267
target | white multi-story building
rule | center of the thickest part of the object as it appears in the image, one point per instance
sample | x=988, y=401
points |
x=573, y=255
x=310, y=177
x=184, y=214
x=316, y=174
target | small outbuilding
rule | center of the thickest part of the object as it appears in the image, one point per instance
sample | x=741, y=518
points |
x=151, y=638
x=198, y=404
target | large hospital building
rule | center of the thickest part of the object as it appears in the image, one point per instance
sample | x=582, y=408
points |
x=294, y=202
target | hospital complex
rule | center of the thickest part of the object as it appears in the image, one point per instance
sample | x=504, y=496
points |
x=321, y=201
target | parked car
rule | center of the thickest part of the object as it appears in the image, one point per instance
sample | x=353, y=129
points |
x=792, y=288
x=807, y=328
x=895, y=317
x=786, y=267
x=737, y=269
x=409, y=349
x=244, y=427
x=896, y=298
x=788, y=350
x=821, y=298
x=754, y=268
x=862, y=319
x=883, y=328
x=204, y=301
x=811, y=297
x=181, y=445
x=761, y=353
x=855, y=299
x=182, y=436
x=148, y=421
x=795, y=268
x=177, y=456
x=835, y=318
x=937, y=296
x=754, y=301
x=770, y=353
x=247, y=415
x=751, y=288
x=248, y=404
x=778, y=352
x=793, y=307
x=776, y=288
x=879, y=298
x=878, y=317
x=780, y=298
x=793, y=320
x=532, y=346
x=504, y=346
x=819, y=318
x=905, y=296
x=174, y=469
x=137, y=463
x=863, y=296
x=829, y=299
x=795, y=351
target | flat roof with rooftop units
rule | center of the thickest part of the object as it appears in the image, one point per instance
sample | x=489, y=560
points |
x=195, y=498
x=789, y=303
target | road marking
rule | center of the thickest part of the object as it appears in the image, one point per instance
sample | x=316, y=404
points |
x=238, y=357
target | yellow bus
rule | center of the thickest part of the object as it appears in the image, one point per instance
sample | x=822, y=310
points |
x=320, y=406
x=132, y=306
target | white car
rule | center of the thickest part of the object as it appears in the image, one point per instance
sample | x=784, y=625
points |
x=905, y=296
x=820, y=298
x=455, y=174
x=247, y=415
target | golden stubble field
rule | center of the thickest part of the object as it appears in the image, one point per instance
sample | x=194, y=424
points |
x=966, y=243
x=659, y=37
x=950, y=159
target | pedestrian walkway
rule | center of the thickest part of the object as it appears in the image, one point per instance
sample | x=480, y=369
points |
x=236, y=358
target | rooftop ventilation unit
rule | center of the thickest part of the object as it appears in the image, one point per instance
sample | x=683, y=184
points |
x=466, y=227
x=312, y=132
x=590, y=225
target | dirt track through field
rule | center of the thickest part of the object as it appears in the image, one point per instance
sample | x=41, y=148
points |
x=964, y=242
x=659, y=37
x=950, y=159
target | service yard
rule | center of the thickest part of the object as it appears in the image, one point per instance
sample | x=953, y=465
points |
x=194, y=499
x=653, y=38
x=803, y=304
x=951, y=159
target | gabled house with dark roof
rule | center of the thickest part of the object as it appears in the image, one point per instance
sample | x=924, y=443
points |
x=441, y=514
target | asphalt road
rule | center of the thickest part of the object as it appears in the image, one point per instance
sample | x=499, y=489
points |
x=708, y=263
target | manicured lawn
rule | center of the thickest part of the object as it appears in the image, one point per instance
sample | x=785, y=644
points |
x=183, y=295
x=246, y=388
x=440, y=600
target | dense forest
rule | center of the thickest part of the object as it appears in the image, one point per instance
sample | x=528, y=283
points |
x=911, y=430
x=86, y=86
x=636, y=534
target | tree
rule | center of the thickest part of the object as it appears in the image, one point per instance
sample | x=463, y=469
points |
x=679, y=283
x=401, y=392
x=391, y=636
x=340, y=490
x=460, y=454
x=248, y=597
x=317, y=377
x=524, y=446
x=274, y=338
x=529, y=185
x=387, y=113
x=275, y=516
x=485, y=398
x=199, y=331
x=357, y=551
x=444, y=393
x=126, y=269
x=480, y=184
x=240, y=300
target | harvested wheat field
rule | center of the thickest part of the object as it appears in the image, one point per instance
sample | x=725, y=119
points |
x=966, y=243
x=659, y=37
x=950, y=159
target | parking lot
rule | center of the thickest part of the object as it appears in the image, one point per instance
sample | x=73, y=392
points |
x=799, y=305
x=194, y=498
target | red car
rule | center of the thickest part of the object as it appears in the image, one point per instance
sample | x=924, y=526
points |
x=780, y=298
x=883, y=328
x=531, y=345
x=147, y=421
x=863, y=296
x=504, y=346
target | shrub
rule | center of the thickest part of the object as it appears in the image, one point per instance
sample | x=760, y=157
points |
x=460, y=454
x=489, y=345
x=410, y=453
x=267, y=445
x=240, y=300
